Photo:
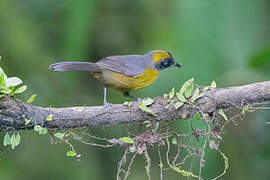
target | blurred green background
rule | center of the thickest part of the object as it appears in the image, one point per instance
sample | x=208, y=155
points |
x=226, y=40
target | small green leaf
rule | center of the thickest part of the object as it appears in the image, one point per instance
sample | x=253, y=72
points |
x=125, y=103
x=196, y=92
x=78, y=155
x=146, y=109
x=197, y=116
x=132, y=148
x=185, y=85
x=147, y=101
x=6, y=139
x=213, y=85
x=3, y=77
x=43, y=131
x=172, y=92
x=129, y=104
x=127, y=140
x=59, y=135
x=189, y=90
x=26, y=121
x=196, y=95
x=17, y=139
x=160, y=165
x=147, y=122
x=31, y=99
x=147, y=169
x=174, y=141
x=49, y=117
x=71, y=153
x=20, y=90
x=13, y=81
x=40, y=129
x=37, y=128
x=1, y=71
x=12, y=141
x=148, y=125
x=206, y=88
x=2, y=80
x=221, y=112
x=178, y=105
x=165, y=96
x=244, y=109
x=155, y=128
x=6, y=91
x=181, y=97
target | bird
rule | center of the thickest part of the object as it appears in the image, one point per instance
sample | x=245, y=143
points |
x=124, y=73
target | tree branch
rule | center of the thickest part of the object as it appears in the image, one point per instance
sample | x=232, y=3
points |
x=14, y=112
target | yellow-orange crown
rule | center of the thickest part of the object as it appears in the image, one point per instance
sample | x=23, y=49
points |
x=159, y=55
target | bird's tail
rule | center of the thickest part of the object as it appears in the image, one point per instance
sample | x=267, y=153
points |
x=76, y=66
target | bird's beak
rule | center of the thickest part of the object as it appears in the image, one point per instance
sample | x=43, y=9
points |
x=176, y=64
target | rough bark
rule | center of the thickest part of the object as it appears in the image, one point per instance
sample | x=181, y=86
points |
x=13, y=112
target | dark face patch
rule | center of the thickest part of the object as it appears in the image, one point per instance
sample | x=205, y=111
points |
x=164, y=63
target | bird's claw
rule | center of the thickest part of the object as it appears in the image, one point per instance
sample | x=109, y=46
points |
x=106, y=104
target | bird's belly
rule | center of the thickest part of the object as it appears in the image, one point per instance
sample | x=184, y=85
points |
x=125, y=83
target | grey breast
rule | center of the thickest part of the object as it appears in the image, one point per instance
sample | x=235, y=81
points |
x=130, y=65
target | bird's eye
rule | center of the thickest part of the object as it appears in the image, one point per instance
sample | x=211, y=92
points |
x=166, y=63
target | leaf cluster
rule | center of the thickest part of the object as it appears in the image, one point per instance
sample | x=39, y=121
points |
x=188, y=93
x=13, y=140
x=8, y=85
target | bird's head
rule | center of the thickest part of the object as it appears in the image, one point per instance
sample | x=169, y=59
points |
x=163, y=59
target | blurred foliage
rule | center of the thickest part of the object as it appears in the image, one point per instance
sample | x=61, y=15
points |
x=261, y=60
x=226, y=41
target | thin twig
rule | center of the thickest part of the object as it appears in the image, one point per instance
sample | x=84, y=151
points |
x=160, y=164
x=120, y=164
x=129, y=166
x=148, y=166
x=78, y=138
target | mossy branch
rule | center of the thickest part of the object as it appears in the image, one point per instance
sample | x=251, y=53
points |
x=14, y=113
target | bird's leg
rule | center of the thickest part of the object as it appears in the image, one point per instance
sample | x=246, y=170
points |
x=126, y=94
x=105, y=98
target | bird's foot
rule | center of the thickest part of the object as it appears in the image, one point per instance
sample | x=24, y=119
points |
x=107, y=105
